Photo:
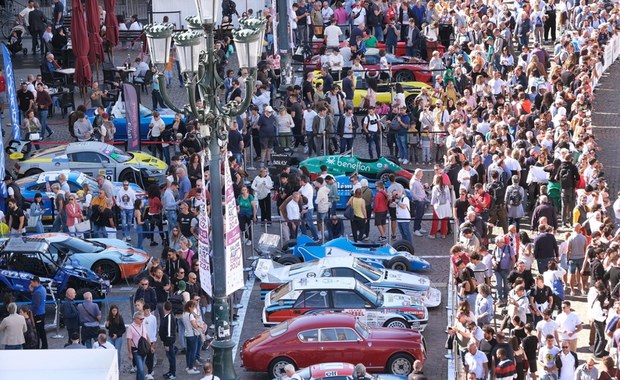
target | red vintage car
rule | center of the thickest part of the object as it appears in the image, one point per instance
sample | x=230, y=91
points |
x=332, y=337
x=404, y=69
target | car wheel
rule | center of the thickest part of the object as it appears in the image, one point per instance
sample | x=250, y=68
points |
x=289, y=260
x=30, y=172
x=10, y=147
x=400, y=364
x=129, y=175
x=403, y=245
x=396, y=323
x=404, y=76
x=410, y=102
x=398, y=263
x=289, y=244
x=276, y=367
x=403, y=181
x=384, y=175
x=392, y=159
x=107, y=269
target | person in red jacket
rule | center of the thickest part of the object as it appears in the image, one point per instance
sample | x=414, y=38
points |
x=381, y=210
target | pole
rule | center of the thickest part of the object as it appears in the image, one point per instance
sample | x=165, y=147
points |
x=223, y=344
x=283, y=45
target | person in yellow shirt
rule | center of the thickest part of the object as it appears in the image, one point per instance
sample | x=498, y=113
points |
x=358, y=205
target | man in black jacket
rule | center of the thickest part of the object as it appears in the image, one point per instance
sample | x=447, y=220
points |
x=168, y=335
x=545, y=248
x=547, y=210
x=568, y=177
x=37, y=24
x=70, y=313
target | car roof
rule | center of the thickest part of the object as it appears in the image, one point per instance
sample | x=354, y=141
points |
x=322, y=320
x=324, y=283
x=94, y=146
x=25, y=244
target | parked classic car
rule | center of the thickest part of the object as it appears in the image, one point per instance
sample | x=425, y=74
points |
x=272, y=275
x=22, y=258
x=336, y=371
x=304, y=340
x=379, y=168
x=399, y=255
x=94, y=158
x=346, y=295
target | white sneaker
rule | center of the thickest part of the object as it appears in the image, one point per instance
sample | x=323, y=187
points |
x=418, y=233
x=149, y=377
x=423, y=231
x=431, y=236
x=133, y=370
x=193, y=371
x=248, y=242
x=405, y=161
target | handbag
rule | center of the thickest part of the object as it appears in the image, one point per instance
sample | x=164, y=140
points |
x=83, y=226
x=34, y=136
x=449, y=342
x=348, y=212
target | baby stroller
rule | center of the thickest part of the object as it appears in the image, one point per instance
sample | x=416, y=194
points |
x=15, y=40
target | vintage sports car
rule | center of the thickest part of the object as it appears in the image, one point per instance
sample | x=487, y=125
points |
x=21, y=258
x=398, y=256
x=93, y=158
x=346, y=295
x=42, y=182
x=336, y=371
x=117, y=115
x=403, y=69
x=111, y=259
x=305, y=340
x=272, y=274
x=377, y=168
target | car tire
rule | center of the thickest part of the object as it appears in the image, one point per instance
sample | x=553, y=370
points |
x=276, y=366
x=403, y=245
x=398, y=263
x=130, y=176
x=384, y=175
x=392, y=159
x=30, y=172
x=108, y=270
x=400, y=364
x=397, y=323
x=403, y=181
x=289, y=244
x=289, y=259
x=410, y=102
x=404, y=76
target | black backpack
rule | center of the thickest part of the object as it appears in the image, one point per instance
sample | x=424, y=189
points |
x=514, y=197
x=497, y=191
x=176, y=300
x=566, y=177
x=143, y=346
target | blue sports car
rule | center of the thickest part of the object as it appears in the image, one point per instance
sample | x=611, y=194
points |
x=42, y=183
x=398, y=256
x=117, y=115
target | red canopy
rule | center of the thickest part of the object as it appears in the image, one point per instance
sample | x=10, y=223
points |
x=79, y=42
x=95, y=53
x=111, y=23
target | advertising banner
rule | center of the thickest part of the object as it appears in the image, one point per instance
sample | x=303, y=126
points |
x=234, y=248
x=11, y=93
x=132, y=114
x=203, y=240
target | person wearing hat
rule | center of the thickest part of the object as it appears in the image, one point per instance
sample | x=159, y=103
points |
x=267, y=134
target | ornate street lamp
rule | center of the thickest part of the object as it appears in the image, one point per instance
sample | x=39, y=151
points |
x=198, y=61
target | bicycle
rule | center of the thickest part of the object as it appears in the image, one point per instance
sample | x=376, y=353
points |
x=8, y=18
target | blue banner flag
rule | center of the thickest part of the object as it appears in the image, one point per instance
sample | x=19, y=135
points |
x=2, y=158
x=132, y=115
x=11, y=94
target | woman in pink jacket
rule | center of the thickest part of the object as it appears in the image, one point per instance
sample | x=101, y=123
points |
x=74, y=214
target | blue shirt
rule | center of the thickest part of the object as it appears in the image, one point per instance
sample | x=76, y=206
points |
x=184, y=187
x=38, y=300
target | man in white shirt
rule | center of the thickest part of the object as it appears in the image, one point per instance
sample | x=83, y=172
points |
x=358, y=14
x=327, y=12
x=309, y=115
x=293, y=214
x=150, y=323
x=23, y=15
x=476, y=361
x=307, y=217
x=569, y=325
x=336, y=62
x=125, y=198
x=547, y=327
x=102, y=343
x=569, y=361
x=332, y=34
x=322, y=203
x=546, y=356
x=498, y=85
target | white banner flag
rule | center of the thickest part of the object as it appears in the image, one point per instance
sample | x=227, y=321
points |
x=203, y=238
x=234, y=253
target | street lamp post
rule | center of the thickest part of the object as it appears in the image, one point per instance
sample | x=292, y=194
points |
x=198, y=61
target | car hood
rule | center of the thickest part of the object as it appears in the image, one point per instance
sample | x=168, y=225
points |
x=120, y=246
x=389, y=334
x=406, y=280
x=146, y=160
x=269, y=271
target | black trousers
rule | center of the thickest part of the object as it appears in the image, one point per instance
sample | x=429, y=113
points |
x=265, y=209
x=39, y=324
x=549, y=26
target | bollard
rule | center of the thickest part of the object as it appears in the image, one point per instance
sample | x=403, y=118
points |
x=58, y=335
x=380, y=142
x=132, y=304
x=325, y=150
x=251, y=167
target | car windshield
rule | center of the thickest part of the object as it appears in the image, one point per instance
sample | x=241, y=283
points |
x=278, y=329
x=362, y=329
x=296, y=269
x=144, y=111
x=83, y=246
x=117, y=154
x=26, y=180
x=51, y=151
x=280, y=291
x=368, y=271
x=369, y=294
x=391, y=58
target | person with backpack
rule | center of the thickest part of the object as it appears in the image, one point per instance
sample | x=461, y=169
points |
x=497, y=211
x=513, y=199
x=568, y=178
x=504, y=258
x=177, y=300
x=138, y=343
x=168, y=335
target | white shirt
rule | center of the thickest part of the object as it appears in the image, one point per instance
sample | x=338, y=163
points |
x=105, y=346
x=476, y=362
x=497, y=85
x=150, y=323
x=308, y=191
x=335, y=62
x=464, y=177
x=361, y=17
x=568, y=366
x=292, y=210
x=547, y=353
x=125, y=198
x=567, y=323
x=545, y=328
x=512, y=164
x=403, y=212
x=332, y=35
x=308, y=119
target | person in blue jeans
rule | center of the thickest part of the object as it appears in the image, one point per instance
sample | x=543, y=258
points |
x=418, y=195
x=503, y=260
x=134, y=332
x=168, y=335
x=193, y=327
x=401, y=135
x=403, y=215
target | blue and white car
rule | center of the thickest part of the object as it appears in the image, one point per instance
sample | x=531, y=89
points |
x=272, y=274
x=398, y=256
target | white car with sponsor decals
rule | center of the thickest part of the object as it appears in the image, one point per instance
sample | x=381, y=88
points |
x=347, y=295
x=417, y=286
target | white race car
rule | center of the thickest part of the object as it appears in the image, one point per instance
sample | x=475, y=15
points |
x=417, y=286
